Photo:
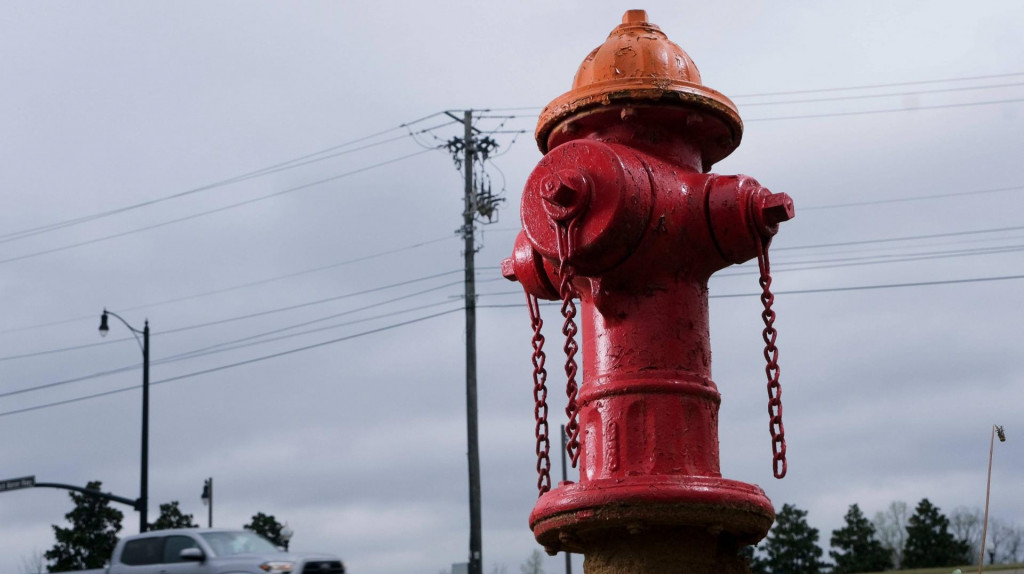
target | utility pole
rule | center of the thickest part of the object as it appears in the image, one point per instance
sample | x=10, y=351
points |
x=478, y=201
x=472, y=438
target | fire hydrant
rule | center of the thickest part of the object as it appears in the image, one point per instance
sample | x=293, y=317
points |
x=622, y=214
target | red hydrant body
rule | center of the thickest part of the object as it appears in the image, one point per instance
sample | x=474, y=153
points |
x=621, y=214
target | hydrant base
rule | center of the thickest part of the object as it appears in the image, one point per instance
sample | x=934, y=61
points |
x=665, y=551
x=574, y=516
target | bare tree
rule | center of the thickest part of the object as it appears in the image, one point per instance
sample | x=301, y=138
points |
x=534, y=564
x=1004, y=542
x=965, y=523
x=34, y=563
x=1014, y=544
x=891, y=528
x=998, y=534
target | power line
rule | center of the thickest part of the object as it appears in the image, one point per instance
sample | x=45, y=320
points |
x=816, y=265
x=236, y=364
x=903, y=238
x=836, y=262
x=841, y=89
x=239, y=286
x=893, y=258
x=281, y=166
x=889, y=95
x=795, y=291
x=212, y=211
x=63, y=349
x=257, y=314
x=68, y=381
x=914, y=198
x=516, y=109
x=213, y=349
x=266, y=312
x=249, y=341
x=848, y=243
x=290, y=164
x=958, y=242
x=304, y=272
x=885, y=111
x=292, y=307
x=853, y=262
x=238, y=179
x=874, y=86
x=505, y=306
x=879, y=286
x=860, y=112
x=209, y=350
x=857, y=113
x=886, y=239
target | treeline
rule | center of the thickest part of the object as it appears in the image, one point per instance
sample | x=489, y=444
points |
x=894, y=539
x=94, y=527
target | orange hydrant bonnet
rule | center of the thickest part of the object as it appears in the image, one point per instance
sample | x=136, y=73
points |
x=639, y=65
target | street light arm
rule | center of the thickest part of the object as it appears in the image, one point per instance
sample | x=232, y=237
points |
x=135, y=332
x=134, y=503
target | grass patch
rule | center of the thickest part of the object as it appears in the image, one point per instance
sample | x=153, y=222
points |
x=965, y=569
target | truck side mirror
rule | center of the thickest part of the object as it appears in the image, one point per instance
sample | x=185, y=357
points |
x=192, y=555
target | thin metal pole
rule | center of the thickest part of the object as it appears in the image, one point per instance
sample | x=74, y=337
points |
x=469, y=211
x=988, y=489
x=210, y=517
x=142, y=504
x=144, y=474
x=565, y=477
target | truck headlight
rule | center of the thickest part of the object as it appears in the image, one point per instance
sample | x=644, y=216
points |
x=277, y=567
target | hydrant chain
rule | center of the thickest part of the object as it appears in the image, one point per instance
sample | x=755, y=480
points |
x=771, y=356
x=540, y=398
x=565, y=242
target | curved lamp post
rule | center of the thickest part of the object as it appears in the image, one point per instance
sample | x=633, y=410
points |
x=144, y=472
x=996, y=430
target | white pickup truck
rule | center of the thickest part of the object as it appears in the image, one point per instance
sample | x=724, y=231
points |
x=211, y=551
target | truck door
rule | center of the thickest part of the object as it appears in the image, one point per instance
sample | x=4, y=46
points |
x=140, y=556
x=171, y=562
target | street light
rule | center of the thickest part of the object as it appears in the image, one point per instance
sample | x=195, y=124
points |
x=207, y=497
x=144, y=472
x=286, y=535
x=996, y=430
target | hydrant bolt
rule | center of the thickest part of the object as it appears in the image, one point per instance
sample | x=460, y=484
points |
x=565, y=194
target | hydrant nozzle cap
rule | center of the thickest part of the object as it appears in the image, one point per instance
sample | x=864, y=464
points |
x=638, y=64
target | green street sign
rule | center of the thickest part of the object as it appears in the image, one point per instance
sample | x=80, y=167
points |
x=16, y=483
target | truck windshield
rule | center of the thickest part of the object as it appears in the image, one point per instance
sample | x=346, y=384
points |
x=241, y=542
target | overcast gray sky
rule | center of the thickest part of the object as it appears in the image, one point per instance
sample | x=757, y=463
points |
x=359, y=444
